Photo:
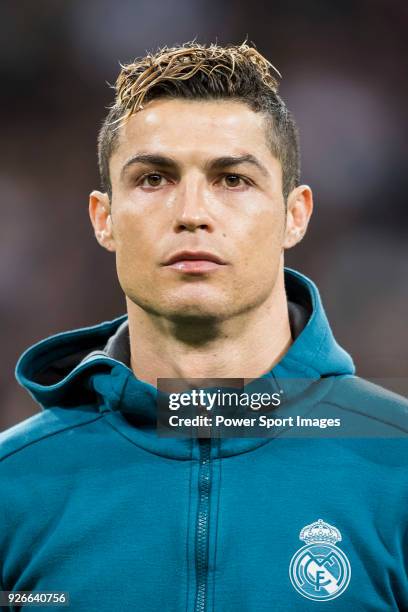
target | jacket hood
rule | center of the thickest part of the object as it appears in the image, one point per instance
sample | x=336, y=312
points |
x=78, y=369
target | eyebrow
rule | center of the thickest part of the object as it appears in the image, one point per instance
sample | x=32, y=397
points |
x=234, y=160
x=217, y=163
x=148, y=159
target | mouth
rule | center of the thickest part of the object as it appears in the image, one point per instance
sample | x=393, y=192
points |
x=194, y=262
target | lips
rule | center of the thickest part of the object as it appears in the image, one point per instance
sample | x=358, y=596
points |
x=202, y=256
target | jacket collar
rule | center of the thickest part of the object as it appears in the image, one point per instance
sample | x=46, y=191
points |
x=92, y=365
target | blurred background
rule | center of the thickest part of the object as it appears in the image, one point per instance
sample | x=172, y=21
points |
x=344, y=67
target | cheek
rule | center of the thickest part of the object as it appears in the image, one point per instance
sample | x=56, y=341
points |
x=133, y=256
x=262, y=237
x=133, y=235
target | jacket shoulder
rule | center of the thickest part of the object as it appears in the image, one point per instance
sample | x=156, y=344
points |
x=41, y=426
x=369, y=399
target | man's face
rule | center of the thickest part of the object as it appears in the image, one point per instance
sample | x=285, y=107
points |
x=196, y=176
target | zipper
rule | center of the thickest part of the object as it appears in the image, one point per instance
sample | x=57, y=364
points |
x=202, y=526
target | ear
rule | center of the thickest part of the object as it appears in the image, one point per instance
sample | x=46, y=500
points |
x=100, y=214
x=299, y=211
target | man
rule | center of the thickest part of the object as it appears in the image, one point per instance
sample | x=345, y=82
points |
x=200, y=198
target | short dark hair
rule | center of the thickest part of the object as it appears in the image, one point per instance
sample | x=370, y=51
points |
x=196, y=72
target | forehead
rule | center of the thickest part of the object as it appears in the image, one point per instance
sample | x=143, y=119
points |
x=193, y=129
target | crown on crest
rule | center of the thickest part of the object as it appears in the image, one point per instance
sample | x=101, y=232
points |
x=320, y=531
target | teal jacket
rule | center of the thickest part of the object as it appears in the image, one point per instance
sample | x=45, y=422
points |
x=94, y=503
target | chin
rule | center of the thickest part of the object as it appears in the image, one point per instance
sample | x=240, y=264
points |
x=184, y=308
x=196, y=301
x=197, y=311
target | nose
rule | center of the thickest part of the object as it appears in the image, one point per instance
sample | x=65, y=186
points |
x=192, y=209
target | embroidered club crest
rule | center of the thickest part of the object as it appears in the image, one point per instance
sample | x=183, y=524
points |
x=320, y=570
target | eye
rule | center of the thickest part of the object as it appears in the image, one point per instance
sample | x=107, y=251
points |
x=233, y=180
x=153, y=180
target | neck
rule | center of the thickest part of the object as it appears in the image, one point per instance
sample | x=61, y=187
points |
x=163, y=349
